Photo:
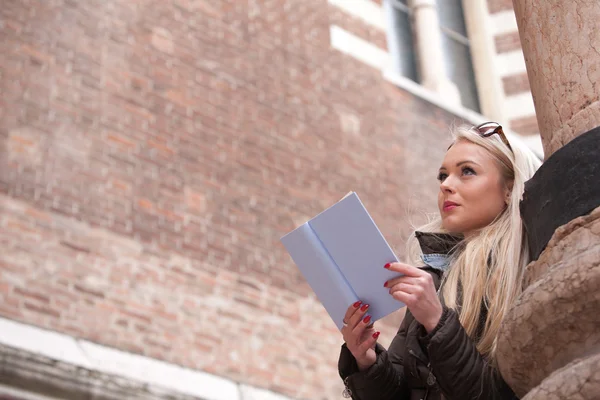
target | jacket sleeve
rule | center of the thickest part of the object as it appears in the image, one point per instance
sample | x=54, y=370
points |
x=383, y=380
x=461, y=371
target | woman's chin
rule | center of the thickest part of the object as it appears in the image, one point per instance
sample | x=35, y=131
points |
x=451, y=225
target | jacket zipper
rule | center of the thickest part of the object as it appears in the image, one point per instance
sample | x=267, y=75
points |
x=430, y=377
x=347, y=393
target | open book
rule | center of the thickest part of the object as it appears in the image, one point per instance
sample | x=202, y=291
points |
x=341, y=253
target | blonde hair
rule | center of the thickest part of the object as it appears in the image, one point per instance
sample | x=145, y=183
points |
x=488, y=267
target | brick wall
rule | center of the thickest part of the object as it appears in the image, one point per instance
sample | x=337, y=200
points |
x=525, y=125
x=152, y=154
x=519, y=105
x=352, y=24
x=507, y=42
x=515, y=84
x=499, y=5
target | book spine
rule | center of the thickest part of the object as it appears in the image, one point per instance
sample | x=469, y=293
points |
x=320, y=271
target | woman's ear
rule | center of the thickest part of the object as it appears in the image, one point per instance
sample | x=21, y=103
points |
x=508, y=192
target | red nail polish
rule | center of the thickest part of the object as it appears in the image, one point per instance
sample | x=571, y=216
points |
x=376, y=335
x=385, y=284
x=364, y=308
x=355, y=305
x=387, y=266
x=367, y=319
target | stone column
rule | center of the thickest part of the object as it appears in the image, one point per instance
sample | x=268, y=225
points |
x=431, y=62
x=549, y=345
x=489, y=83
x=561, y=44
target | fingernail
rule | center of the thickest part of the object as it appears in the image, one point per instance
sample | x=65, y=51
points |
x=376, y=335
x=385, y=284
x=355, y=305
x=387, y=266
x=367, y=319
x=364, y=308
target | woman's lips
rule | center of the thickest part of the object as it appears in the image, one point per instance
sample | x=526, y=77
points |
x=449, y=205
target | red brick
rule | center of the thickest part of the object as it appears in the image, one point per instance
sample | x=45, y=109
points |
x=75, y=247
x=495, y=6
x=145, y=204
x=358, y=27
x=515, y=84
x=507, y=42
x=38, y=309
x=38, y=215
x=13, y=312
x=88, y=291
x=525, y=126
x=121, y=141
x=43, y=298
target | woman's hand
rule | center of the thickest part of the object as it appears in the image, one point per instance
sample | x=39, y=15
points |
x=417, y=291
x=359, y=335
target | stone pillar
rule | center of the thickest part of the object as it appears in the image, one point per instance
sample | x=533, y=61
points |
x=561, y=44
x=431, y=62
x=549, y=344
x=489, y=83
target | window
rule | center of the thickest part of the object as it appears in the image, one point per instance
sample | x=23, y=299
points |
x=455, y=46
x=457, y=51
x=400, y=39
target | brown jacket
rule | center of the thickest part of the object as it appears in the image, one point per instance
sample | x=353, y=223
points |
x=443, y=364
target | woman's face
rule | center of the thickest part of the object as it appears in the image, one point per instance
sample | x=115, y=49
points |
x=472, y=190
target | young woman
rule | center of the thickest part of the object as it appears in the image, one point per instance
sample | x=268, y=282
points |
x=471, y=262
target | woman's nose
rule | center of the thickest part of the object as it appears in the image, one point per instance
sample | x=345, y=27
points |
x=447, y=186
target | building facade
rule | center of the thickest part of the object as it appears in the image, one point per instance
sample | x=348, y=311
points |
x=154, y=152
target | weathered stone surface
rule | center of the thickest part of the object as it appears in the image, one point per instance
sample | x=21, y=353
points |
x=580, y=380
x=39, y=374
x=559, y=246
x=556, y=318
x=561, y=44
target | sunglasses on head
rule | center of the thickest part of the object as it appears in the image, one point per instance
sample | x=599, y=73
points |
x=488, y=129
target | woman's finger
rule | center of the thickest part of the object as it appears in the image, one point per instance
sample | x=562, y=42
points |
x=409, y=280
x=354, y=321
x=404, y=297
x=368, y=343
x=358, y=316
x=351, y=311
x=359, y=346
x=404, y=287
x=405, y=269
x=361, y=326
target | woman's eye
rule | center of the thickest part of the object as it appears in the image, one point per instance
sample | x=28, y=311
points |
x=468, y=171
x=442, y=176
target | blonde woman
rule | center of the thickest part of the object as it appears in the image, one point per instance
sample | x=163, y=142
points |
x=472, y=260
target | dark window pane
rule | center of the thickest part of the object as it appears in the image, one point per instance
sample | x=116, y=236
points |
x=460, y=71
x=451, y=16
x=399, y=4
x=402, y=45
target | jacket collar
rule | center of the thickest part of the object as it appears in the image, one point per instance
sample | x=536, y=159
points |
x=438, y=243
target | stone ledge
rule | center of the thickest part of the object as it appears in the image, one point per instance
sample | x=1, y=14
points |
x=578, y=380
x=40, y=374
x=13, y=393
x=560, y=244
x=58, y=365
x=555, y=319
